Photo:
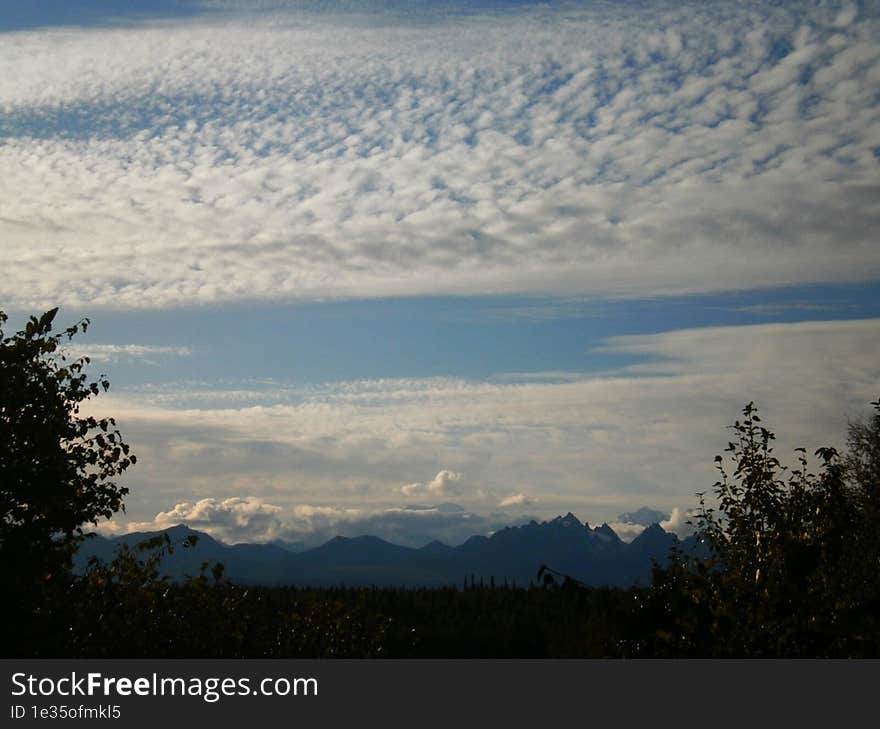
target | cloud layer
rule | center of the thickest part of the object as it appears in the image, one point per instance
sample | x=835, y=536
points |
x=251, y=519
x=610, y=149
x=598, y=445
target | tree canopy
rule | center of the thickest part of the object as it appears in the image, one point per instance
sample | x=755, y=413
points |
x=794, y=555
x=58, y=466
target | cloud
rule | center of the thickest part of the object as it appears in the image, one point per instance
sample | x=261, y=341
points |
x=252, y=519
x=146, y=353
x=678, y=523
x=643, y=516
x=627, y=531
x=601, y=444
x=229, y=519
x=781, y=308
x=629, y=526
x=517, y=500
x=445, y=483
x=603, y=150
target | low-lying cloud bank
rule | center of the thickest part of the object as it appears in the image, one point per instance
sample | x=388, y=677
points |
x=251, y=519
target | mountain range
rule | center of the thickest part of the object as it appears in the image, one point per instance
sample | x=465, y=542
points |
x=595, y=556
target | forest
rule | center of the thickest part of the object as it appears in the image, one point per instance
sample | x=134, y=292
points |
x=790, y=570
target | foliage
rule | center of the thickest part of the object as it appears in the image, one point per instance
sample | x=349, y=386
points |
x=794, y=556
x=57, y=467
x=125, y=610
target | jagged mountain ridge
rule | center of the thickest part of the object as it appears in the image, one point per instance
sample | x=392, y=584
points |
x=595, y=556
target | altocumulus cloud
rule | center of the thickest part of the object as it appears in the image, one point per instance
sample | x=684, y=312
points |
x=604, y=148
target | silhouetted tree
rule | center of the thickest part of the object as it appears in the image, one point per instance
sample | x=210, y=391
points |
x=794, y=556
x=57, y=466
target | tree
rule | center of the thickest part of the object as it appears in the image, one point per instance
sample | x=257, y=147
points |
x=862, y=460
x=57, y=466
x=861, y=464
x=794, y=555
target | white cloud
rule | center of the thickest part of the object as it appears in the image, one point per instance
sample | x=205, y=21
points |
x=445, y=483
x=517, y=500
x=605, y=150
x=678, y=522
x=226, y=518
x=626, y=530
x=252, y=519
x=146, y=353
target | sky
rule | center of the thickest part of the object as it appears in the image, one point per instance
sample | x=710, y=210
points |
x=425, y=269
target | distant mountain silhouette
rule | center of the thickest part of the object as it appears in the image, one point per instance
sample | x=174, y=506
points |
x=595, y=556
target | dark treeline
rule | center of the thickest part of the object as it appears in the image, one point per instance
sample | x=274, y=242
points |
x=199, y=619
x=793, y=565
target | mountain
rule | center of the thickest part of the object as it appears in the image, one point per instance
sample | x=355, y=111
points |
x=595, y=556
x=244, y=562
x=643, y=517
x=653, y=540
x=289, y=546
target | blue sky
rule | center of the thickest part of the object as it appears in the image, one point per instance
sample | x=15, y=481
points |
x=346, y=262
